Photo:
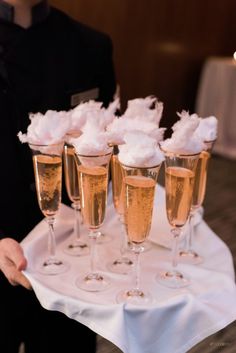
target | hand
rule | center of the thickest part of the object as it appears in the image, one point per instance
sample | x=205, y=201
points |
x=12, y=262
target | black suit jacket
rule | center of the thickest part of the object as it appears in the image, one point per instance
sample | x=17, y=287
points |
x=41, y=68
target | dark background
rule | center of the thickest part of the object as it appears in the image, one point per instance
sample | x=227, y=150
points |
x=160, y=45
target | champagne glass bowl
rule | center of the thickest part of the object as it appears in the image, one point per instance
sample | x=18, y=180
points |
x=123, y=264
x=139, y=192
x=76, y=246
x=188, y=254
x=179, y=181
x=47, y=162
x=93, y=184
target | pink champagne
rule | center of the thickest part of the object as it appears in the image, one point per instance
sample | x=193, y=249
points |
x=179, y=190
x=139, y=197
x=48, y=173
x=93, y=194
x=71, y=174
x=199, y=188
x=116, y=174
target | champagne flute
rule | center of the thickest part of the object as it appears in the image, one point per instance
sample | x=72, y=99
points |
x=139, y=192
x=179, y=181
x=76, y=247
x=93, y=184
x=47, y=162
x=189, y=255
x=122, y=264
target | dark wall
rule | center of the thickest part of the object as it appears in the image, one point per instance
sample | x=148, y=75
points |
x=160, y=45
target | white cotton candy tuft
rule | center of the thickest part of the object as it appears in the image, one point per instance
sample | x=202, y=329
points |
x=92, y=112
x=91, y=142
x=207, y=128
x=184, y=139
x=142, y=114
x=148, y=108
x=46, y=129
x=140, y=150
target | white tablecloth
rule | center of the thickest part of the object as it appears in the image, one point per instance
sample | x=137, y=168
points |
x=174, y=322
x=217, y=96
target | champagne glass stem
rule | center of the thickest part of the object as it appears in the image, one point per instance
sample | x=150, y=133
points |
x=188, y=254
x=123, y=264
x=93, y=236
x=77, y=221
x=123, y=247
x=81, y=216
x=137, y=270
x=51, y=238
x=176, y=233
x=190, y=232
x=174, y=278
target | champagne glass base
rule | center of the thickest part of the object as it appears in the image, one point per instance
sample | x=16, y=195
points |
x=93, y=282
x=77, y=248
x=122, y=265
x=190, y=257
x=53, y=267
x=172, y=279
x=134, y=296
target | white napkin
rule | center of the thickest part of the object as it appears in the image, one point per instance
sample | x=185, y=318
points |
x=186, y=315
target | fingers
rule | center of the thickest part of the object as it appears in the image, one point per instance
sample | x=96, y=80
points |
x=12, y=261
x=14, y=252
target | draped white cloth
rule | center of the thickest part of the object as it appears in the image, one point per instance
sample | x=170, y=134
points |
x=175, y=321
x=217, y=96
